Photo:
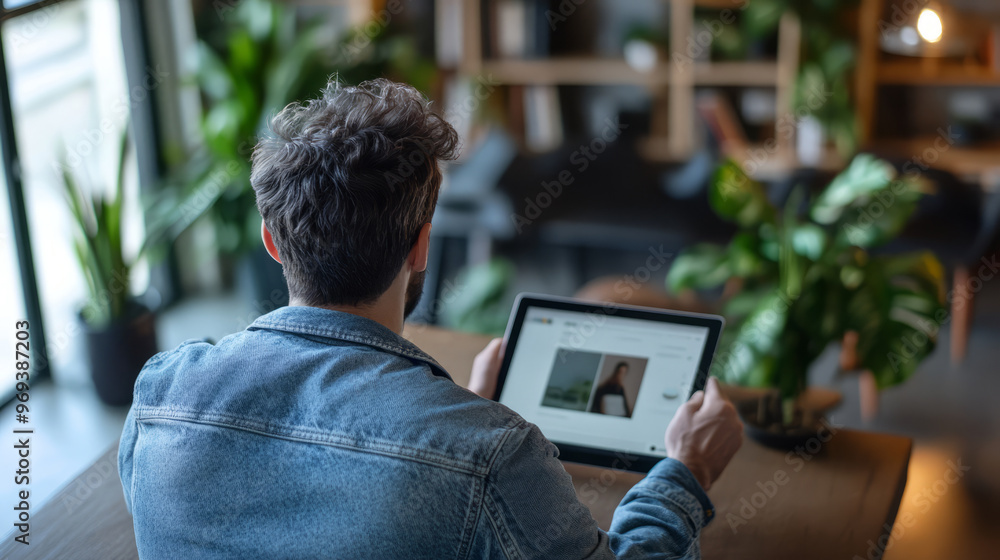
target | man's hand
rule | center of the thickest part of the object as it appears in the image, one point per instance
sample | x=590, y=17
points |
x=705, y=434
x=486, y=368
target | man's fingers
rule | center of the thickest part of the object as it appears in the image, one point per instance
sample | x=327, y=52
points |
x=495, y=347
x=714, y=398
x=712, y=389
x=485, y=369
x=696, y=400
x=491, y=351
x=713, y=393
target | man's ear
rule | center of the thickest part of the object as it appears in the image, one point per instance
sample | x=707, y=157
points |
x=269, y=242
x=418, y=254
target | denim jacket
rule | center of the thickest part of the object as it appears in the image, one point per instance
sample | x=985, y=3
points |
x=321, y=434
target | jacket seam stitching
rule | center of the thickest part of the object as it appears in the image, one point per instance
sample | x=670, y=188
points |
x=472, y=519
x=690, y=519
x=135, y=471
x=429, y=460
x=135, y=443
x=340, y=334
x=511, y=550
x=239, y=422
x=500, y=444
x=500, y=529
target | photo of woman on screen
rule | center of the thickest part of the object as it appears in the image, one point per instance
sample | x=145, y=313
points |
x=609, y=398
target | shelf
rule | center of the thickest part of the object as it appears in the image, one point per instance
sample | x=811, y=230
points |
x=929, y=73
x=759, y=74
x=571, y=71
x=718, y=4
x=671, y=83
x=775, y=166
x=976, y=163
x=611, y=71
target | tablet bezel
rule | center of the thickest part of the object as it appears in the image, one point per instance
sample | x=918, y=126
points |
x=620, y=460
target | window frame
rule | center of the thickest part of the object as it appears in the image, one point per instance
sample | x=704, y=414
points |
x=144, y=133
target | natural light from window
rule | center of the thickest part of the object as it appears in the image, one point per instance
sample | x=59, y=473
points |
x=70, y=97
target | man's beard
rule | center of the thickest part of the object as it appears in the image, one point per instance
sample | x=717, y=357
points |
x=414, y=290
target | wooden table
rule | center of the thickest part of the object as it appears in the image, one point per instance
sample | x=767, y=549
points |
x=827, y=501
x=834, y=496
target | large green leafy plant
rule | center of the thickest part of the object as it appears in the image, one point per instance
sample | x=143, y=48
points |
x=255, y=62
x=808, y=278
x=256, y=58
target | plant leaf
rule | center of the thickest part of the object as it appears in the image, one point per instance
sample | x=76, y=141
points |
x=702, y=266
x=480, y=302
x=897, y=313
x=287, y=74
x=761, y=16
x=880, y=216
x=738, y=198
x=214, y=78
x=750, y=357
x=809, y=240
x=744, y=256
x=863, y=177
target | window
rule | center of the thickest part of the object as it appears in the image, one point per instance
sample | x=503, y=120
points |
x=70, y=103
x=13, y=308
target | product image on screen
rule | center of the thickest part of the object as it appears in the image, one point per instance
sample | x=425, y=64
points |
x=594, y=382
x=602, y=381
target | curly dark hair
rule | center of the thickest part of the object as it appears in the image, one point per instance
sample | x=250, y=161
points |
x=345, y=182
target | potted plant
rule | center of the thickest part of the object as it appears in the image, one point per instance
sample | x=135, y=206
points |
x=828, y=57
x=806, y=277
x=249, y=65
x=120, y=331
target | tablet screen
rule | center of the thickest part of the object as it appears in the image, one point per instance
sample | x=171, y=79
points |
x=602, y=381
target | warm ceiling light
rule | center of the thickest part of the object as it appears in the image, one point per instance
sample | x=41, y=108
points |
x=929, y=26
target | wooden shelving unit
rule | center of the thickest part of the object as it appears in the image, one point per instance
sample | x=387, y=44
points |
x=573, y=71
x=609, y=71
x=977, y=164
x=933, y=73
x=671, y=85
x=873, y=71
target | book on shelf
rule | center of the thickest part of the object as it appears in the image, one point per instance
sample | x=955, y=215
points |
x=511, y=33
x=543, y=127
x=520, y=29
x=448, y=36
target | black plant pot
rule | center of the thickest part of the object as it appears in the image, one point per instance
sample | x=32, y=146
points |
x=778, y=437
x=763, y=418
x=118, y=352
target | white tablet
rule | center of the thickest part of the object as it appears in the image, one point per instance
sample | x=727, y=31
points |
x=602, y=381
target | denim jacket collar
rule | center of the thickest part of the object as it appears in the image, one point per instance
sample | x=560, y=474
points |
x=339, y=325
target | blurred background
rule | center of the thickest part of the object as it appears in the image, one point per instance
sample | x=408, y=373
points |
x=823, y=173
